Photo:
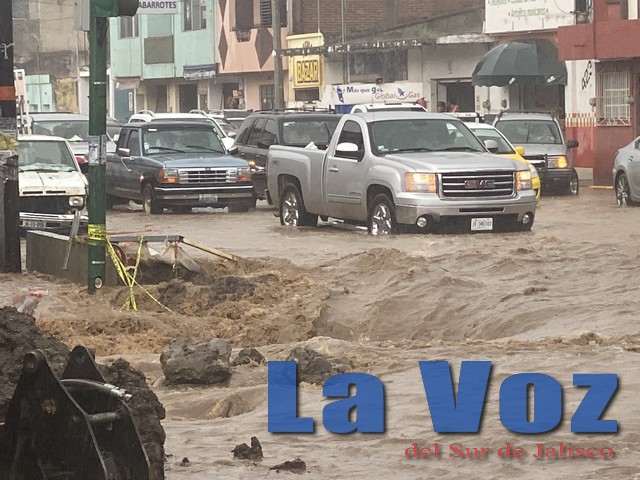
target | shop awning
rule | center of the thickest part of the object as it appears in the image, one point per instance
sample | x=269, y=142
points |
x=521, y=62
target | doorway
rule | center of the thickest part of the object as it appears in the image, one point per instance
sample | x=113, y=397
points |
x=188, y=97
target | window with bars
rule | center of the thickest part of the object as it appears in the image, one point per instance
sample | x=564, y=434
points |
x=612, y=106
x=195, y=14
x=267, y=96
x=129, y=27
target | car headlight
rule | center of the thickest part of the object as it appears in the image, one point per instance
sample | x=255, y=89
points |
x=534, y=171
x=558, y=162
x=420, y=182
x=244, y=174
x=523, y=180
x=169, y=175
x=76, y=202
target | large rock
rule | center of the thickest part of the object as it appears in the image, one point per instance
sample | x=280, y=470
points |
x=247, y=356
x=196, y=362
x=313, y=367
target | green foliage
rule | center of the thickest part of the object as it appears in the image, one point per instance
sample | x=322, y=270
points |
x=7, y=142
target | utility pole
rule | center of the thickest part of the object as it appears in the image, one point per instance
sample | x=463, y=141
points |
x=278, y=101
x=10, y=261
x=99, y=11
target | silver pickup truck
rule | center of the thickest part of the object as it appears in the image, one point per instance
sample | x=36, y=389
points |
x=393, y=169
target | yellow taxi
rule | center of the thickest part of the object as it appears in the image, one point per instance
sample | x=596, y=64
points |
x=484, y=132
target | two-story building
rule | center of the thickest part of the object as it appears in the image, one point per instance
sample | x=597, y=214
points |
x=602, y=50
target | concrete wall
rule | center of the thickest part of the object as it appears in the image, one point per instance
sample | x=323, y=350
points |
x=46, y=253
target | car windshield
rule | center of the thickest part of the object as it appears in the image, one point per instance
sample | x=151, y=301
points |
x=530, y=131
x=299, y=133
x=196, y=139
x=485, y=134
x=414, y=135
x=71, y=130
x=40, y=155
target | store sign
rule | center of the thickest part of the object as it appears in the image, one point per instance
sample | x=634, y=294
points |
x=525, y=15
x=307, y=72
x=157, y=7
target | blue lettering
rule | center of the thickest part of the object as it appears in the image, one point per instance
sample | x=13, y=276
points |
x=282, y=392
x=547, y=404
x=349, y=89
x=368, y=403
x=595, y=402
x=461, y=413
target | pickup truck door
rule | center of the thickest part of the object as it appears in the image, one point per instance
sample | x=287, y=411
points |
x=130, y=167
x=345, y=177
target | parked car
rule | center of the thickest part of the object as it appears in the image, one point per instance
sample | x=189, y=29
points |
x=177, y=164
x=149, y=116
x=52, y=187
x=392, y=169
x=75, y=129
x=486, y=132
x=261, y=130
x=545, y=147
x=626, y=174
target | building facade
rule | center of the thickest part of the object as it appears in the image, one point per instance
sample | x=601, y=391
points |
x=602, y=50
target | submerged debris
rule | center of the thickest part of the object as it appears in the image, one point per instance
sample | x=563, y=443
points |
x=293, y=466
x=246, y=452
x=248, y=355
x=204, y=363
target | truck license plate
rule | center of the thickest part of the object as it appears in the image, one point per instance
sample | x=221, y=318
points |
x=481, y=224
x=208, y=197
x=34, y=224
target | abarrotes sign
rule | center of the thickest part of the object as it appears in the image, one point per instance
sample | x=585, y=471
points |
x=157, y=7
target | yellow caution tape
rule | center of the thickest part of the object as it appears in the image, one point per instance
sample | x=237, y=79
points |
x=128, y=279
x=97, y=232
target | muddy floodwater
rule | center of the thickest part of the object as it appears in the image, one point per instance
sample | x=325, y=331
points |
x=559, y=300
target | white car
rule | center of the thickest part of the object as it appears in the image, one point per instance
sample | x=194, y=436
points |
x=149, y=116
x=387, y=107
x=52, y=187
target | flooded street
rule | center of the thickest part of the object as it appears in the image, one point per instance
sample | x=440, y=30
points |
x=559, y=300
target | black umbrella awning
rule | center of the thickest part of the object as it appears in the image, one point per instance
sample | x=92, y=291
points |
x=521, y=62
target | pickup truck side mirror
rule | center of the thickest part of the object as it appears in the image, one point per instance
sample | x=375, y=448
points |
x=233, y=150
x=124, y=152
x=572, y=144
x=349, y=150
x=519, y=150
x=492, y=146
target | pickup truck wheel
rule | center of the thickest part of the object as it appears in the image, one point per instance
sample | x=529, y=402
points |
x=574, y=184
x=292, y=211
x=382, y=216
x=149, y=202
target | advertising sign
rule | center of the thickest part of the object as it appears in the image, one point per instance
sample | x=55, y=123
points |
x=372, y=93
x=524, y=15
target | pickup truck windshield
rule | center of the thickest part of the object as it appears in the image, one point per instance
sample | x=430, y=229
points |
x=71, y=130
x=45, y=156
x=422, y=135
x=160, y=141
x=530, y=131
x=301, y=132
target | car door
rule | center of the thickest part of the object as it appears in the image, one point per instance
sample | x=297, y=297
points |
x=250, y=151
x=632, y=159
x=115, y=170
x=130, y=167
x=345, y=177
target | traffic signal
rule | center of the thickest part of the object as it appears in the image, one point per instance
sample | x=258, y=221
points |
x=114, y=8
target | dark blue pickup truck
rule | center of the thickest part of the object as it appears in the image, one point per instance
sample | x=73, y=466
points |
x=178, y=165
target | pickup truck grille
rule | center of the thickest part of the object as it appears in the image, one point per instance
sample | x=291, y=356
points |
x=40, y=204
x=477, y=184
x=538, y=161
x=208, y=175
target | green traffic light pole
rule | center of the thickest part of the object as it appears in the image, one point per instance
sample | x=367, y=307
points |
x=100, y=11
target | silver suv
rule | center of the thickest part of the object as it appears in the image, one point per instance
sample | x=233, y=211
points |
x=540, y=134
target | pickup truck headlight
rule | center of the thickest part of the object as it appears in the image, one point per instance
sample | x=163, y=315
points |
x=534, y=171
x=76, y=202
x=523, y=180
x=169, y=175
x=244, y=174
x=420, y=182
x=557, y=162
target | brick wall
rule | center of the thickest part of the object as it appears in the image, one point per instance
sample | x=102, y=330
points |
x=365, y=16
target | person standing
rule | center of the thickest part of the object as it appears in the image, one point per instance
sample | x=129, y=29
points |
x=441, y=107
